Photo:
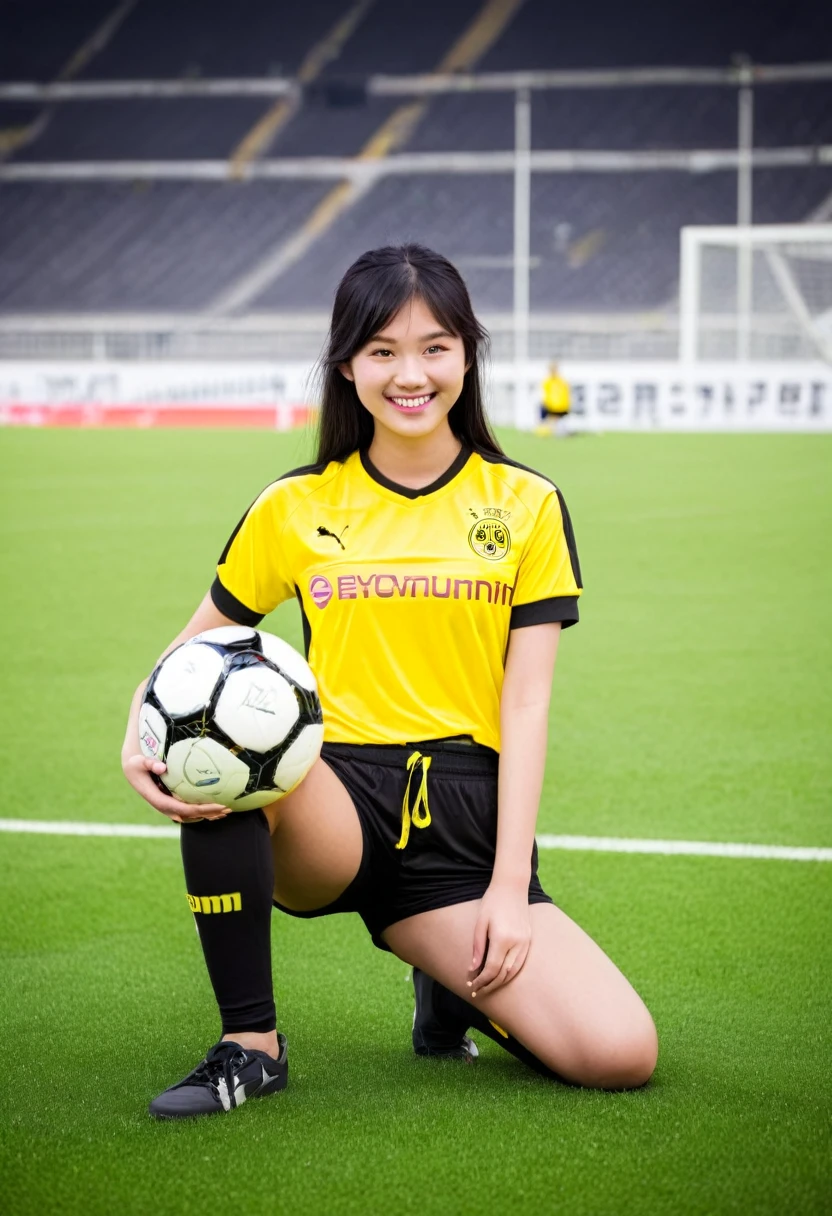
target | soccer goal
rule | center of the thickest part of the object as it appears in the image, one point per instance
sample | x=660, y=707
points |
x=757, y=292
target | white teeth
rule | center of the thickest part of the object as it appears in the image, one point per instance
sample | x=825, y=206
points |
x=410, y=403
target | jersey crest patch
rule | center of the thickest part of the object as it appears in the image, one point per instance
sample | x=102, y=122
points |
x=490, y=538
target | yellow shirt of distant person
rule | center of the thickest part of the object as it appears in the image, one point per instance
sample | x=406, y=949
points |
x=555, y=393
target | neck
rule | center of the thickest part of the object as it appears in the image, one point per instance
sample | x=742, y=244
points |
x=414, y=462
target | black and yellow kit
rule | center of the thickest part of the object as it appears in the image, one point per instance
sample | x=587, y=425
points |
x=407, y=599
x=407, y=595
x=428, y=816
x=556, y=398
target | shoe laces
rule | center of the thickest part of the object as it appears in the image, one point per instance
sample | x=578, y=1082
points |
x=221, y=1062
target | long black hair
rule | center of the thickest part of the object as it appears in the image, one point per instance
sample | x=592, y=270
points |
x=372, y=291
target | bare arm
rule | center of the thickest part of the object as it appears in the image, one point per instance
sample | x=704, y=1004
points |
x=137, y=767
x=524, y=720
x=503, y=927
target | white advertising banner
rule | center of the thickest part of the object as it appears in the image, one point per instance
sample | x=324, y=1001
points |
x=163, y=383
x=273, y=395
x=670, y=397
x=605, y=396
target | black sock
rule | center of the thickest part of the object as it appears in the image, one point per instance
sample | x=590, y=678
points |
x=230, y=877
x=454, y=1006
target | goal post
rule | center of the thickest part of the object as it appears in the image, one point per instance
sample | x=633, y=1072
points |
x=761, y=292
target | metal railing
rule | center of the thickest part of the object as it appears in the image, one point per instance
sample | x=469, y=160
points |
x=277, y=336
x=419, y=85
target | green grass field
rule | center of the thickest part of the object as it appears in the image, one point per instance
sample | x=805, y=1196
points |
x=693, y=702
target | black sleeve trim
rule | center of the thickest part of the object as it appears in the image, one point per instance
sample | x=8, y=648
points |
x=302, y=472
x=224, y=555
x=304, y=620
x=569, y=534
x=231, y=607
x=305, y=470
x=563, y=608
x=568, y=530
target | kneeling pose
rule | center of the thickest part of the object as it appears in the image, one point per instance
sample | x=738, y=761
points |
x=434, y=577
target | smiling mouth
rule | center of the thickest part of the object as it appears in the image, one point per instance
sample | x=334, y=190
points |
x=411, y=403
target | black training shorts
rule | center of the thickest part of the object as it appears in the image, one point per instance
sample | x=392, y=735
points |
x=428, y=814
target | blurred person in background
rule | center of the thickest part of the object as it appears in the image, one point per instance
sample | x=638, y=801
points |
x=554, y=405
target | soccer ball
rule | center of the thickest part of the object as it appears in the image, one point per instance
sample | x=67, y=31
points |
x=234, y=714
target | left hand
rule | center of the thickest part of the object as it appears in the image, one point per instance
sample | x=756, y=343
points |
x=502, y=937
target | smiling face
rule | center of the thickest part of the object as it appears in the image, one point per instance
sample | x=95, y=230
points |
x=410, y=374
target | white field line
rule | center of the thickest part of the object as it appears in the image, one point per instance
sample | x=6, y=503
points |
x=594, y=844
x=59, y=827
x=692, y=848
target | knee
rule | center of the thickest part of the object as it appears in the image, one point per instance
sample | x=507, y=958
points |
x=619, y=1055
x=623, y=1056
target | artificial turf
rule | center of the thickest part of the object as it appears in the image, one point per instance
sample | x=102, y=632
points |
x=693, y=701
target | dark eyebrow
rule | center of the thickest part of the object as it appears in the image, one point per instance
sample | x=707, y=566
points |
x=439, y=333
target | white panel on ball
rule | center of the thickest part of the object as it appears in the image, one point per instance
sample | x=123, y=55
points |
x=152, y=732
x=299, y=758
x=187, y=678
x=256, y=708
x=226, y=635
x=287, y=659
x=202, y=770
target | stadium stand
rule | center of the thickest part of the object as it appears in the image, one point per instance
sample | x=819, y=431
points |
x=147, y=129
x=39, y=38
x=600, y=241
x=618, y=241
x=169, y=247
x=689, y=33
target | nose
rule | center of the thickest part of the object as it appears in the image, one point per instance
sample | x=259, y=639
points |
x=410, y=374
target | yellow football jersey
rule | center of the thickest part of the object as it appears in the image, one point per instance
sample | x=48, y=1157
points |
x=556, y=395
x=407, y=596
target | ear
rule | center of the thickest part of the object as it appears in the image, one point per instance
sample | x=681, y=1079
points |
x=346, y=371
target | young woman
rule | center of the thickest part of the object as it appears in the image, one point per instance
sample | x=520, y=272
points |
x=434, y=577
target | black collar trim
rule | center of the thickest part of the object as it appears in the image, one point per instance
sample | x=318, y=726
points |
x=408, y=491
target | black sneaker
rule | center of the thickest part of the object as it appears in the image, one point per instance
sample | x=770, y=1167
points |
x=226, y=1078
x=440, y=1021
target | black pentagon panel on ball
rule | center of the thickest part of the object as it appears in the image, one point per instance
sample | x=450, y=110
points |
x=310, y=706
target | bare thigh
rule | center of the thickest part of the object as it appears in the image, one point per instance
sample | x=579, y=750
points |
x=570, y=1005
x=316, y=841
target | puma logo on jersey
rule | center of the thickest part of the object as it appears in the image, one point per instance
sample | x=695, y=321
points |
x=326, y=532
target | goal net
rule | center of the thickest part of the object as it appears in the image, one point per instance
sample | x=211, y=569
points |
x=756, y=293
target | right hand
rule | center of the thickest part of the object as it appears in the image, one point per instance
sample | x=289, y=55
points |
x=137, y=770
